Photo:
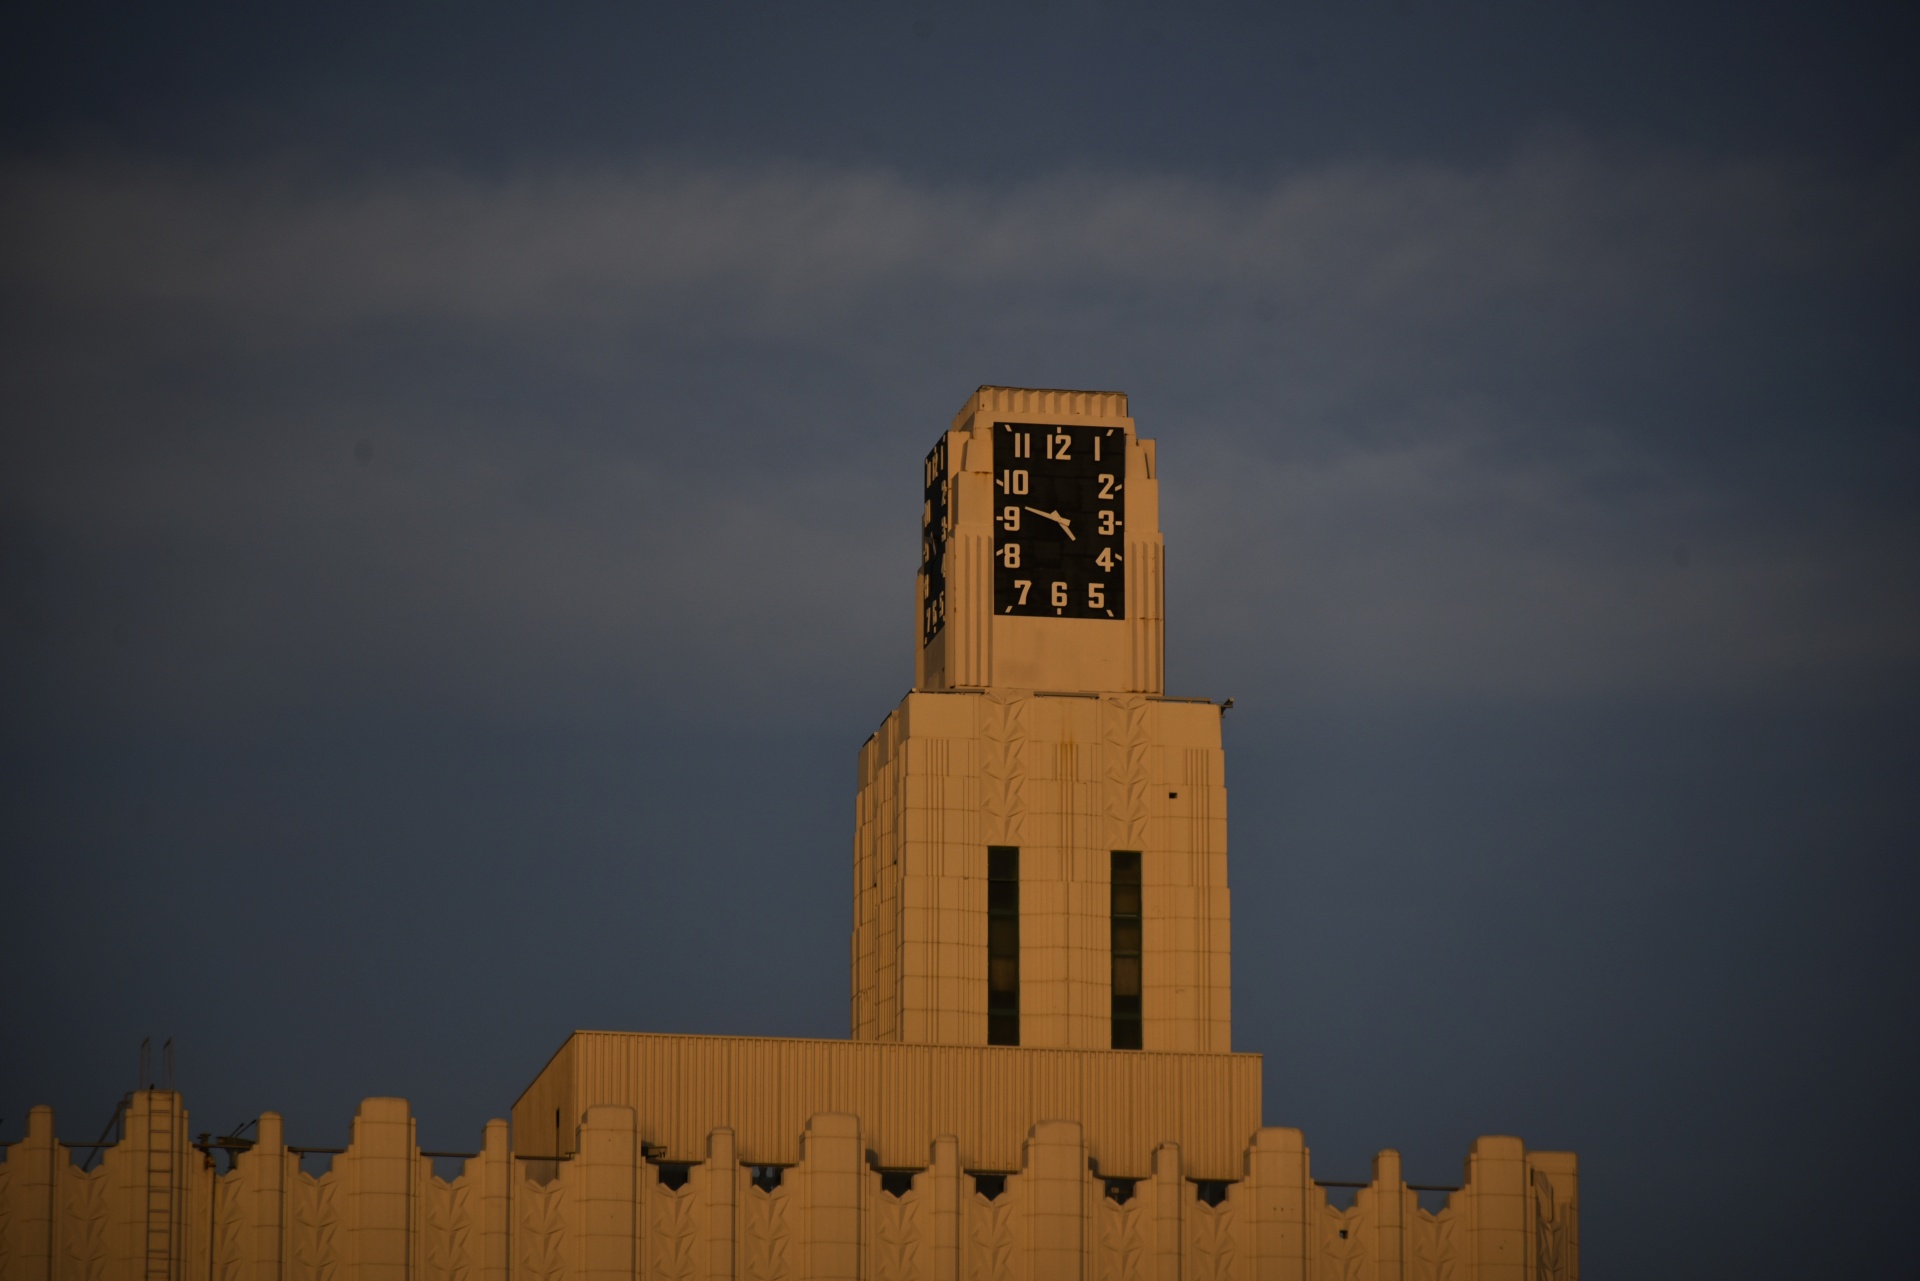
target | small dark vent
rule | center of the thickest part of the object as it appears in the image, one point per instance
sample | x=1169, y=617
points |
x=897, y=1183
x=673, y=1174
x=990, y=1186
x=1211, y=1191
x=1120, y=1190
x=766, y=1177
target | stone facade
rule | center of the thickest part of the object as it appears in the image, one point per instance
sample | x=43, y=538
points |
x=1040, y=1081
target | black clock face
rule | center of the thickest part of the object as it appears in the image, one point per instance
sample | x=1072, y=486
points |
x=1059, y=521
x=933, y=544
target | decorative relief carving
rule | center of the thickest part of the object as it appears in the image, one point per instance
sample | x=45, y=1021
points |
x=1124, y=734
x=85, y=1231
x=993, y=1249
x=1214, y=1239
x=896, y=1238
x=769, y=1241
x=1436, y=1246
x=673, y=1232
x=1344, y=1236
x=1122, y=1240
x=227, y=1192
x=1003, y=733
x=315, y=1221
x=1551, y=1232
x=446, y=1211
x=543, y=1226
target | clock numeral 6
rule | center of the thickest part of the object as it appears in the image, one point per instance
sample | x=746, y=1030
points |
x=1059, y=595
x=1010, y=555
x=1096, y=595
x=1010, y=518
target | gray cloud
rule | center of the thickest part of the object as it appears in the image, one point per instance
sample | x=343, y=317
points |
x=1427, y=429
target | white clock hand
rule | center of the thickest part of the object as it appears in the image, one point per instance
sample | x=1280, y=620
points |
x=1057, y=519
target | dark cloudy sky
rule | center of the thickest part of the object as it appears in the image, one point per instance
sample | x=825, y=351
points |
x=458, y=514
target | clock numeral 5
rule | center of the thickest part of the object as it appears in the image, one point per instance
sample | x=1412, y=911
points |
x=1096, y=595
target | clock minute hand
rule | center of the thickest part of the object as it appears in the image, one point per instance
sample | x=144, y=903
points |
x=1057, y=519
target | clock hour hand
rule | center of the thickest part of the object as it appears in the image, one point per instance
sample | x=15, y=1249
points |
x=1057, y=519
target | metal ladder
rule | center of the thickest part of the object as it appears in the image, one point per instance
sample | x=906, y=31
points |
x=162, y=1161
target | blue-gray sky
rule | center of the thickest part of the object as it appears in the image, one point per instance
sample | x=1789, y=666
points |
x=458, y=516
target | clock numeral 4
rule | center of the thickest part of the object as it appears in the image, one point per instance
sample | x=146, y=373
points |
x=1106, y=559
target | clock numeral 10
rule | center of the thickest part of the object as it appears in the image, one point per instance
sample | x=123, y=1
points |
x=1013, y=481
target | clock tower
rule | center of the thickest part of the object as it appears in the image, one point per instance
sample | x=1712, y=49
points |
x=1040, y=846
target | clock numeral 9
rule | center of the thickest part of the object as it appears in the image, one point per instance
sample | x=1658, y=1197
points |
x=1013, y=481
x=1010, y=555
x=1059, y=595
x=1108, y=523
x=1010, y=518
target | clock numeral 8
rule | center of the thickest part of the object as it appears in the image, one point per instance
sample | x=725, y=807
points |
x=1010, y=555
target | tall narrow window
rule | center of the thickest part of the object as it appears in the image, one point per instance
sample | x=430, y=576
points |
x=1003, y=945
x=1126, y=949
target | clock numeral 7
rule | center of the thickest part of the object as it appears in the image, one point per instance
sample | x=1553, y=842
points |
x=1025, y=585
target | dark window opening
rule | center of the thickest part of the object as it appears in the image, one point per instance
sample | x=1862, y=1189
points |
x=673, y=1174
x=1120, y=1190
x=1125, y=946
x=766, y=1177
x=897, y=1183
x=1003, y=945
x=990, y=1186
x=1211, y=1191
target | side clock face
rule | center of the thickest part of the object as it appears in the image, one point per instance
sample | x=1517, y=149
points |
x=933, y=545
x=1059, y=521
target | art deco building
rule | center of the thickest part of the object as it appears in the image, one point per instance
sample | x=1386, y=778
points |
x=1040, y=1081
